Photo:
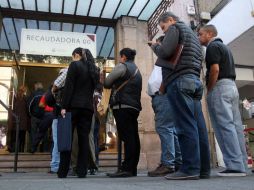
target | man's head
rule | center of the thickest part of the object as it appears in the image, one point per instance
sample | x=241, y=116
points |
x=166, y=20
x=206, y=34
x=38, y=86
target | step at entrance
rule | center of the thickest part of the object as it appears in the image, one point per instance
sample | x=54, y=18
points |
x=40, y=162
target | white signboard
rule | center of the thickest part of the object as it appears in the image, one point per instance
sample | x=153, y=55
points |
x=57, y=43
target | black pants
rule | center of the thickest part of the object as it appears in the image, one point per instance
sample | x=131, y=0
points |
x=82, y=119
x=22, y=140
x=127, y=128
x=45, y=124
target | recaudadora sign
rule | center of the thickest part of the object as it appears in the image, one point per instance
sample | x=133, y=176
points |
x=57, y=43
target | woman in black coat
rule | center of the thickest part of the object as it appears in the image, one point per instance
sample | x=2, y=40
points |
x=81, y=82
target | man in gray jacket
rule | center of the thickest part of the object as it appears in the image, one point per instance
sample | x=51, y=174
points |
x=184, y=90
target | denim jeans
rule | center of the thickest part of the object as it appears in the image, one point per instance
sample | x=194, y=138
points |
x=54, y=164
x=184, y=94
x=223, y=105
x=164, y=125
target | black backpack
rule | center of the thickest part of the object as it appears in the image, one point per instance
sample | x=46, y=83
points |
x=34, y=109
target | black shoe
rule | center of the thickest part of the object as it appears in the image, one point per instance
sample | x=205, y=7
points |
x=204, y=176
x=33, y=150
x=181, y=176
x=177, y=167
x=231, y=173
x=82, y=176
x=121, y=174
x=61, y=176
x=51, y=172
x=92, y=171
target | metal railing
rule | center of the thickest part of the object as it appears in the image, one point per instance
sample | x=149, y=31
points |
x=17, y=119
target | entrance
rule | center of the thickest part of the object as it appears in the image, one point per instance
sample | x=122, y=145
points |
x=27, y=76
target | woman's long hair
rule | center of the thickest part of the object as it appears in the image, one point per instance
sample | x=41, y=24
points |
x=87, y=58
x=86, y=55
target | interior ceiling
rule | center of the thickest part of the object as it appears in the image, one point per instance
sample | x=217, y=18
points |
x=243, y=48
x=45, y=75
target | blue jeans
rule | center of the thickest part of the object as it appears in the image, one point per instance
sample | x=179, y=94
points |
x=164, y=125
x=54, y=164
x=223, y=105
x=184, y=94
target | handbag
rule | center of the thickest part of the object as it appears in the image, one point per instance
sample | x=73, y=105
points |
x=64, y=133
x=114, y=98
x=174, y=59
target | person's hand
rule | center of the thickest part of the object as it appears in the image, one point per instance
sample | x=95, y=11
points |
x=150, y=43
x=63, y=112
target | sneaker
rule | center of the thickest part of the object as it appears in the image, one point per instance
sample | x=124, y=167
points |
x=231, y=173
x=181, y=176
x=161, y=170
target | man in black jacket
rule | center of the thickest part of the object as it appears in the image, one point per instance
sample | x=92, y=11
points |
x=184, y=90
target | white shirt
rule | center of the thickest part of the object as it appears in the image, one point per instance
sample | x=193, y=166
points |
x=154, y=81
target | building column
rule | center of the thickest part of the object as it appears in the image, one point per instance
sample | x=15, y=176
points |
x=1, y=22
x=134, y=34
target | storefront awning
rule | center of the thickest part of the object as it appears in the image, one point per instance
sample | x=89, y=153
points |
x=86, y=16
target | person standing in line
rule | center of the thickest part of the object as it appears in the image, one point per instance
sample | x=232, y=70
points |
x=171, y=159
x=20, y=109
x=57, y=90
x=126, y=106
x=184, y=90
x=223, y=102
x=81, y=82
x=35, y=112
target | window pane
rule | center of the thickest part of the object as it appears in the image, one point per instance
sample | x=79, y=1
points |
x=3, y=41
x=78, y=28
x=108, y=43
x=56, y=6
x=149, y=10
x=124, y=8
x=96, y=8
x=10, y=33
x=67, y=27
x=31, y=24
x=110, y=8
x=29, y=4
x=101, y=31
x=55, y=26
x=112, y=54
x=137, y=7
x=20, y=23
x=43, y=25
x=83, y=7
x=43, y=5
x=16, y=4
x=4, y=4
x=90, y=29
x=69, y=6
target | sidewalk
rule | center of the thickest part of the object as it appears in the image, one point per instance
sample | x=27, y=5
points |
x=44, y=181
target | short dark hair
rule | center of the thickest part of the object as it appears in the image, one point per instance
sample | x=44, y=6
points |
x=164, y=17
x=129, y=53
x=210, y=28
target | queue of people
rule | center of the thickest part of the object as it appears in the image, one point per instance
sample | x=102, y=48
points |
x=176, y=91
